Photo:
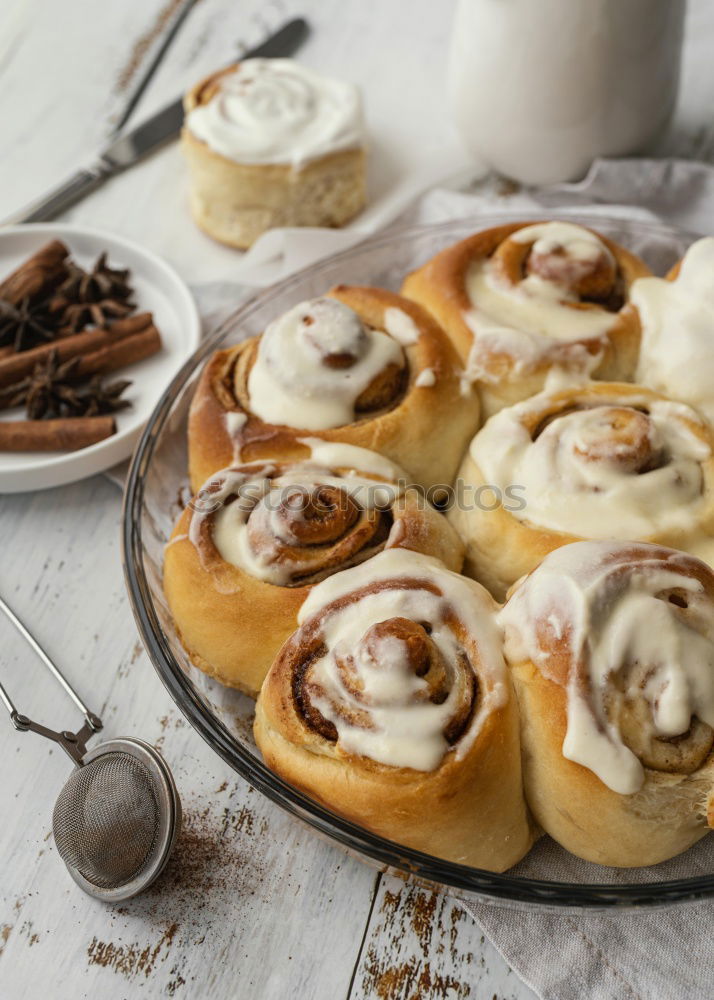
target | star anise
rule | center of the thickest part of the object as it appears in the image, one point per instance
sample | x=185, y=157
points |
x=24, y=326
x=52, y=391
x=76, y=317
x=93, y=297
x=97, y=398
x=102, y=282
x=44, y=391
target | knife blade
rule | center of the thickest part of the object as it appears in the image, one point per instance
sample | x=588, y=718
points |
x=131, y=147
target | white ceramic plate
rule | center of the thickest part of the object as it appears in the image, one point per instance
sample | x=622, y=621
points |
x=159, y=290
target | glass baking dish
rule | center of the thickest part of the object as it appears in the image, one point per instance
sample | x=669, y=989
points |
x=157, y=490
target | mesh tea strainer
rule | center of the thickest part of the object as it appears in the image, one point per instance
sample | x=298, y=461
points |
x=116, y=820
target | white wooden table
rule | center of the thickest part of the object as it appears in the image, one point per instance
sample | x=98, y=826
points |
x=252, y=905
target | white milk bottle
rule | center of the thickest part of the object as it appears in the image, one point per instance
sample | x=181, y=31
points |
x=539, y=88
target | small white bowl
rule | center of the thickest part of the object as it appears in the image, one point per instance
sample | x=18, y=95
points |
x=159, y=290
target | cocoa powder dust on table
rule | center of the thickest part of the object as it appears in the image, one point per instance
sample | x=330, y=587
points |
x=208, y=859
x=145, y=41
x=214, y=866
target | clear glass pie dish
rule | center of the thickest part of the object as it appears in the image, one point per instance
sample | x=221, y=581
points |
x=157, y=489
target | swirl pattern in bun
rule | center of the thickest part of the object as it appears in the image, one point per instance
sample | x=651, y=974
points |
x=253, y=542
x=523, y=299
x=391, y=705
x=611, y=648
x=600, y=460
x=361, y=365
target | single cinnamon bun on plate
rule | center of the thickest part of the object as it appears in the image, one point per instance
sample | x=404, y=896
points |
x=677, y=318
x=391, y=705
x=271, y=143
x=360, y=365
x=523, y=299
x=611, y=649
x=600, y=460
x=253, y=542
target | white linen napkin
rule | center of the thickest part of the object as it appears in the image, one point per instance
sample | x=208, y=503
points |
x=647, y=955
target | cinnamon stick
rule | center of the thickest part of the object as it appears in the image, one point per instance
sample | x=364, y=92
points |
x=39, y=273
x=65, y=434
x=119, y=355
x=17, y=366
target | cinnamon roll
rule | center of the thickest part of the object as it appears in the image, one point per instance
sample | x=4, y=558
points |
x=611, y=648
x=677, y=318
x=253, y=542
x=603, y=460
x=271, y=143
x=521, y=300
x=391, y=705
x=361, y=365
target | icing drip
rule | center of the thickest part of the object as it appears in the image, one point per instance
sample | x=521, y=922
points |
x=677, y=352
x=626, y=466
x=277, y=111
x=426, y=379
x=235, y=422
x=396, y=681
x=352, y=458
x=636, y=627
x=316, y=361
x=526, y=298
x=401, y=326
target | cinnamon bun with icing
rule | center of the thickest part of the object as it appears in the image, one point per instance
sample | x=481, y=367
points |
x=392, y=706
x=677, y=318
x=601, y=460
x=360, y=365
x=250, y=546
x=271, y=143
x=611, y=649
x=523, y=299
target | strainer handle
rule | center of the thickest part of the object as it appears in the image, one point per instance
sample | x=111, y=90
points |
x=75, y=744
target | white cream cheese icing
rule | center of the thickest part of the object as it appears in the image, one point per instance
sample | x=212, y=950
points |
x=406, y=729
x=291, y=381
x=426, y=379
x=401, y=326
x=677, y=350
x=338, y=455
x=257, y=489
x=277, y=111
x=567, y=489
x=525, y=319
x=614, y=614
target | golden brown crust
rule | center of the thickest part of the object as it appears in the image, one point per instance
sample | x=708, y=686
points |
x=673, y=272
x=232, y=624
x=501, y=548
x=468, y=810
x=440, y=286
x=403, y=432
x=581, y=813
x=666, y=816
x=206, y=88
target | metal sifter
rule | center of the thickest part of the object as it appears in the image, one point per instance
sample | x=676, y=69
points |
x=117, y=818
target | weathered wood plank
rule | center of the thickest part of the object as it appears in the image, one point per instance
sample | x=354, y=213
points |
x=422, y=945
x=246, y=881
x=250, y=896
x=66, y=71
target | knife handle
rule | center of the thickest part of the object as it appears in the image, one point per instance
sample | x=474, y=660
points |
x=62, y=197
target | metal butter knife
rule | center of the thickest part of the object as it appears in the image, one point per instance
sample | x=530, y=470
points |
x=130, y=147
